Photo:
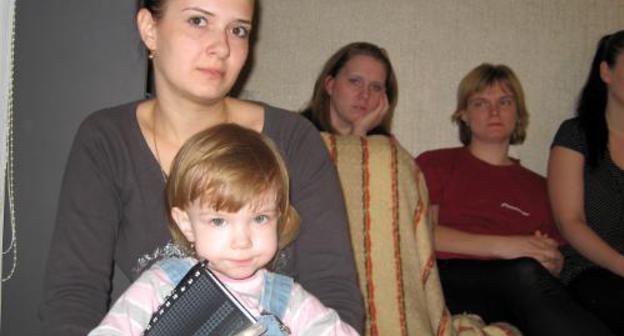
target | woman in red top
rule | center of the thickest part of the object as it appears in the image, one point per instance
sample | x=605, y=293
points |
x=496, y=241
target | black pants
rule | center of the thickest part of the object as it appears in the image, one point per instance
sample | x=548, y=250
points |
x=519, y=291
x=602, y=293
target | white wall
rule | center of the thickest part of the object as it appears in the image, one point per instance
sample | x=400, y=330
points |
x=433, y=44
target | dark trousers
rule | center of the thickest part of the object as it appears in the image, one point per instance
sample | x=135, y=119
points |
x=519, y=291
x=602, y=293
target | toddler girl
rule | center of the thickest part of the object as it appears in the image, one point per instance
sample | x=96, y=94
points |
x=229, y=204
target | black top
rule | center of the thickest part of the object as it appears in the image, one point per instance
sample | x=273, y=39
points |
x=603, y=196
x=112, y=211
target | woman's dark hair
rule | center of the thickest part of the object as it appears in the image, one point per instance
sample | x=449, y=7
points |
x=592, y=102
x=155, y=7
x=317, y=110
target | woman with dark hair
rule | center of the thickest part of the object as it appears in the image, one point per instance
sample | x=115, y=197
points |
x=586, y=186
x=111, y=207
x=496, y=242
x=355, y=93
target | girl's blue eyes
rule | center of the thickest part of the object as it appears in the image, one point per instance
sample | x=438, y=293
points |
x=217, y=221
x=261, y=219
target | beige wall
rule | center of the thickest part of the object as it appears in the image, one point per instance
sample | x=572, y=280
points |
x=433, y=44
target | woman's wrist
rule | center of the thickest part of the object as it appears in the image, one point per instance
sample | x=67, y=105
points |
x=618, y=266
x=498, y=246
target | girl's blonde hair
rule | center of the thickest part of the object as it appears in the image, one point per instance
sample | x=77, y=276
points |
x=227, y=167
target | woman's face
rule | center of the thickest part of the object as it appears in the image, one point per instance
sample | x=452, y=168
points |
x=614, y=78
x=356, y=90
x=199, y=46
x=491, y=114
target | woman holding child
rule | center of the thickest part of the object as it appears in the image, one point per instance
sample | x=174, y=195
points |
x=111, y=207
x=495, y=238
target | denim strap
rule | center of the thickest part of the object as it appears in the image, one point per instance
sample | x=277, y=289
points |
x=175, y=268
x=276, y=293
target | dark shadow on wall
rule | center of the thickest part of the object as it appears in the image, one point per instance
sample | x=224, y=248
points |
x=72, y=57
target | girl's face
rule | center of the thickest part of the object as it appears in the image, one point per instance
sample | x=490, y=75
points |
x=236, y=244
x=614, y=78
x=199, y=46
x=491, y=114
x=356, y=90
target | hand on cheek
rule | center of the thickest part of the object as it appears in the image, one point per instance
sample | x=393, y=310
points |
x=373, y=119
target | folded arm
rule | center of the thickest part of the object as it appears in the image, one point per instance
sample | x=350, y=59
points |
x=537, y=246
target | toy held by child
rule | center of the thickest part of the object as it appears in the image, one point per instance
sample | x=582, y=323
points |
x=229, y=204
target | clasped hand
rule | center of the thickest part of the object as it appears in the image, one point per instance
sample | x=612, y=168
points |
x=537, y=246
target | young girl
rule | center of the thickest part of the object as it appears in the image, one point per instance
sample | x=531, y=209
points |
x=229, y=204
x=495, y=236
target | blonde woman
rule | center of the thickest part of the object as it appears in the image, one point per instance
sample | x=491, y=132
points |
x=496, y=241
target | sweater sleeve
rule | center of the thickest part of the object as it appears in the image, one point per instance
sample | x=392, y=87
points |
x=79, y=269
x=133, y=310
x=324, y=260
x=306, y=315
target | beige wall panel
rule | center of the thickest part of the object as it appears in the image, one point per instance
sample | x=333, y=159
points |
x=433, y=44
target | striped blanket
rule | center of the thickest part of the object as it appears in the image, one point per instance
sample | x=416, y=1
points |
x=387, y=204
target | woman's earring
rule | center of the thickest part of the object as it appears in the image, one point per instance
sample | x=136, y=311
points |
x=150, y=54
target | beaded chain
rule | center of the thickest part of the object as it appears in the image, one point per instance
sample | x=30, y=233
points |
x=12, y=248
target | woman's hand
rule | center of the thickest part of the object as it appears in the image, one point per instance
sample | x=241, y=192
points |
x=554, y=263
x=538, y=246
x=362, y=126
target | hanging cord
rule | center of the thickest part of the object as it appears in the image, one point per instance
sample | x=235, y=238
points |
x=9, y=180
